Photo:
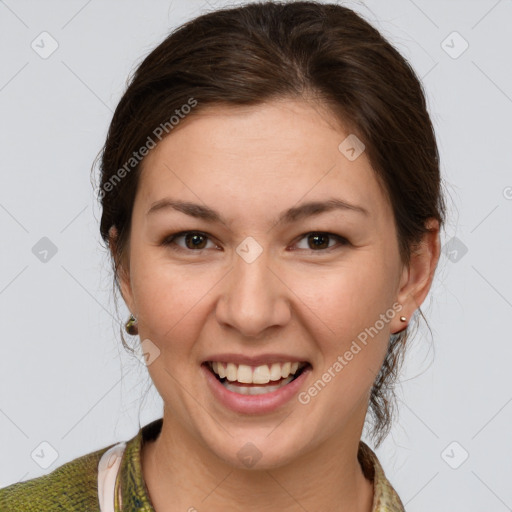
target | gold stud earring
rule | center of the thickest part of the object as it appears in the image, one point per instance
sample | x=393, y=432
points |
x=403, y=319
x=131, y=326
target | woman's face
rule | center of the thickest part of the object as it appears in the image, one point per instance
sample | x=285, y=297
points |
x=261, y=290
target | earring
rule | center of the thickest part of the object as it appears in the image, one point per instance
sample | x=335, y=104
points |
x=402, y=319
x=131, y=326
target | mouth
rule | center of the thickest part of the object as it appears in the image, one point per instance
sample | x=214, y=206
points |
x=256, y=380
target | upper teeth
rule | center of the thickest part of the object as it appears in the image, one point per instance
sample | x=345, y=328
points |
x=255, y=374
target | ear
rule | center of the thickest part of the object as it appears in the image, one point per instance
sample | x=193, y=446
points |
x=417, y=277
x=123, y=272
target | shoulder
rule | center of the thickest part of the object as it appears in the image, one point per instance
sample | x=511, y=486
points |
x=72, y=486
x=385, y=498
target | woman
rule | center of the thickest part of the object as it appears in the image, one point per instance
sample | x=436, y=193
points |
x=272, y=204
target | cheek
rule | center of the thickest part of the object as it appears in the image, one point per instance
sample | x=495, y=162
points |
x=346, y=299
x=333, y=305
x=350, y=336
x=172, y=314
x=345, y=313
x=171, y=301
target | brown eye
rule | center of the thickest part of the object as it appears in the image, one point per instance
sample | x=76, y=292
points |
x=196, y=241
x=319, y=241
x=193, y=241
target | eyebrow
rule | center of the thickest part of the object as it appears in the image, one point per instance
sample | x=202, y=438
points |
x=287, y=217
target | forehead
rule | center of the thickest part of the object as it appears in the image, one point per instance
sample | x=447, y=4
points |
x=282, y=152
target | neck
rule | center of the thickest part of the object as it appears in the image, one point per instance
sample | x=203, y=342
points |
x=181, y=474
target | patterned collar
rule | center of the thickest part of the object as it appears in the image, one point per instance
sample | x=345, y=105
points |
x=135, y=495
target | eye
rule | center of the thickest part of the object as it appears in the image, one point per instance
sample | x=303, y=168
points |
x=194, y=241
x=320, y=241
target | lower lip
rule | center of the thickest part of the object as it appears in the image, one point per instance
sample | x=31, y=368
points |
x=254, y=404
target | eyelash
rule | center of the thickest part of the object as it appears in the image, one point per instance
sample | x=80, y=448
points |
x=170, y=241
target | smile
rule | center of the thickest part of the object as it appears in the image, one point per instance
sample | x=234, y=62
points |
x=259, y=388
x=262, y=374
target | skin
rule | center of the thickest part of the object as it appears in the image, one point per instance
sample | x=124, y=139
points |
x=250, y=164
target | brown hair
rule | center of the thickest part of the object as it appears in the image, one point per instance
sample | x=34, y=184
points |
x=268, y=50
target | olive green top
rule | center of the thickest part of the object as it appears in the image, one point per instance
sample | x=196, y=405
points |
x=74, y=485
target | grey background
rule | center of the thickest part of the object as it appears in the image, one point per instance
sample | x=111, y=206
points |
x=65, y=379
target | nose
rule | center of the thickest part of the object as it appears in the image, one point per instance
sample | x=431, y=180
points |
x=254, y=297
